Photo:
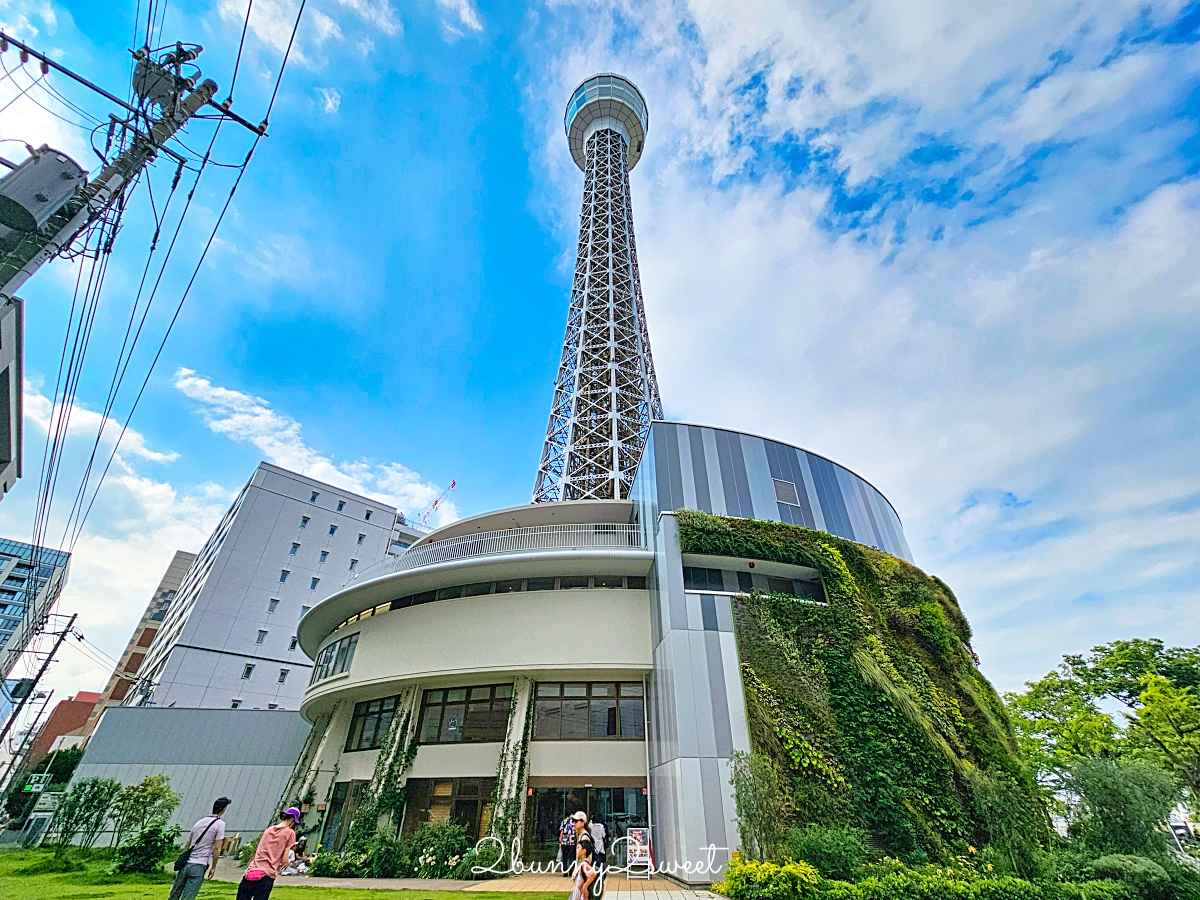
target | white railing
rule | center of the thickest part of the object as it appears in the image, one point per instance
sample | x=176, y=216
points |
x=510, y=540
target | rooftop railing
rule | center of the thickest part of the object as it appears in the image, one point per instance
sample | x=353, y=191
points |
x=510, y=540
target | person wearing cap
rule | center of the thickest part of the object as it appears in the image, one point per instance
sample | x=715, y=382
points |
x=585, y=857
x=270, y=856
x=205, y=841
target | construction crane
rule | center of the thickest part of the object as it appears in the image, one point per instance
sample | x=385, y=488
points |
x=423, y=520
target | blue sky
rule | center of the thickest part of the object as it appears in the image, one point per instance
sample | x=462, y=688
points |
x=954, y=252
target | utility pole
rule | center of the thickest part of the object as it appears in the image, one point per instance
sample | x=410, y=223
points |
x=160, y=82
x=26, y=741
x=62, y=636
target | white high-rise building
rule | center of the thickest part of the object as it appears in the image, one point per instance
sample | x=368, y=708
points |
x=286, y=543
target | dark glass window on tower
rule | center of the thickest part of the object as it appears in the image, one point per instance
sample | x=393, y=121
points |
x=465, y=715
x=581, y=711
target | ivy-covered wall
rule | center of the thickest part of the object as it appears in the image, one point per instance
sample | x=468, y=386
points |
x=872, y=705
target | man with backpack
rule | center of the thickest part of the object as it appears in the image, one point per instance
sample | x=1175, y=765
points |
x=200, y=855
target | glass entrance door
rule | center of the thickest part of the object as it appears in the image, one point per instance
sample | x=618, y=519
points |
x=618, y=808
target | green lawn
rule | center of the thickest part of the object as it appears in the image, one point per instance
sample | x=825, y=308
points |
x=93, y=883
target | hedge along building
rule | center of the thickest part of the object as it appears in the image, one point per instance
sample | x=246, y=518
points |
x=688, y=593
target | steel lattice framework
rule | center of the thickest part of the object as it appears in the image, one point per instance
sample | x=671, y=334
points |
x=606, y=393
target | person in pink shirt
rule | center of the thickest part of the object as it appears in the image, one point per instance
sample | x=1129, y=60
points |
x=269, y=857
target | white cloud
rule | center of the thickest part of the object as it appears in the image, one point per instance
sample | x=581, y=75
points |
x=464, y=11
x=377, y=13
x=1044, y=353
x=42, y=412
x=331, y=99
x=133, y=532
x=248, y=419
x=272, y=21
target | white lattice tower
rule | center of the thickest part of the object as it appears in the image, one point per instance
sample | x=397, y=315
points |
x=606, y=393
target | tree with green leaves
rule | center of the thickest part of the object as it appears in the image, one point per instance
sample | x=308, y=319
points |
x=139, y=806
x=1057, y=721
x=1122, y=805
x=1060, y=718
x=83, y=812
x=1165, y=728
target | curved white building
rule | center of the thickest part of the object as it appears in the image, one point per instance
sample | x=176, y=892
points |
x=527, y=653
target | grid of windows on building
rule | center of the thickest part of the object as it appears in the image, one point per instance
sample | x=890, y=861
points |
x=334, y=659
x=370, y=723
x=578, y=711
x=507, y=586
x=465, y=715
x=454, y=801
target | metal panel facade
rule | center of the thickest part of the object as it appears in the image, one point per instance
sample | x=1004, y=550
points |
x=247, y=755
x=696, y=703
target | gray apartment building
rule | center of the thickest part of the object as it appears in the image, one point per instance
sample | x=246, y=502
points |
x=228, y=640
x=125, y=675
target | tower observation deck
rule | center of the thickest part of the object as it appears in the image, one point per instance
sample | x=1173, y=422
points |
x=606, y=393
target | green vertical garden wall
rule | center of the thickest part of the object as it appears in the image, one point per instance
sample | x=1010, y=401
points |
x=872, y=705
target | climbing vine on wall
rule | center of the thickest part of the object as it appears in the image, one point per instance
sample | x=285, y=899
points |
x=508, y=796
x=871, y=703
x=384, y=794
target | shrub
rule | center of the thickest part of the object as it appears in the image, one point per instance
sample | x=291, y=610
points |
x=836, y=853
x=146, y=850
x=1122, y=804
x=485, y=855
x=438, y=849
x=337, y=865
x=752, y=880
x=247, y=850
x=387, y=856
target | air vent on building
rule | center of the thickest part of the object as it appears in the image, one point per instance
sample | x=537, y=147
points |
x=785, y=492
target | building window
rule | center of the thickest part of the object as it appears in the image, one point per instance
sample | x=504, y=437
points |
x=332, y=530
x=248, y=671
x=295, y=547
x=234, y=704
x=283, y=574
x=315, y=495
x=341, y=505
x=283, y=674
x=294, y=641
x=262, y=636
x=463, y=801
x=361, y=538
x=272, y=605
x=583, y=711
x=697, y=579
x=324, y=556
x=353, y=564
x=334, y=659
x=304, y=521
x=465, y=715
x=368, y=515
x=370, y=723
x=312, y=585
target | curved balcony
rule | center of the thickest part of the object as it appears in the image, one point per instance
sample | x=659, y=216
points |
x=510, y=540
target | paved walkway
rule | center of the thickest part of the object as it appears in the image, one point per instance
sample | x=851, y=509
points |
x=617, y=886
